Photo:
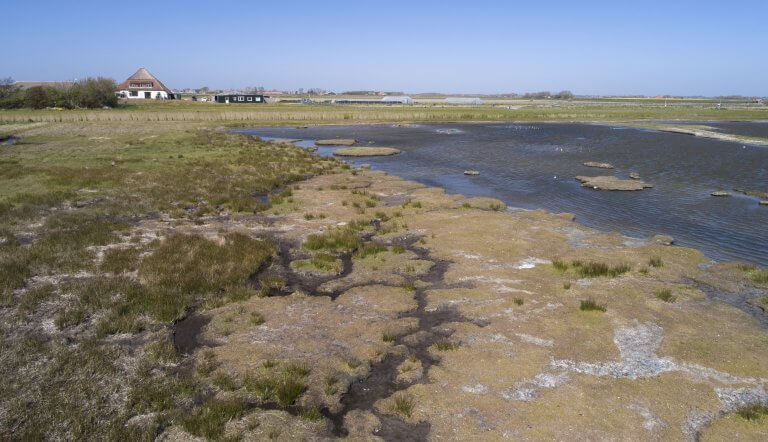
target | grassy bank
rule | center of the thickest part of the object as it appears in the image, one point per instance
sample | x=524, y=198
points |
x=87, y=295
x=291, y=114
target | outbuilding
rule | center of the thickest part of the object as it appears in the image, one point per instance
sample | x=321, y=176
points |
x=240, y=98
x=401, y=99
x=143, y=85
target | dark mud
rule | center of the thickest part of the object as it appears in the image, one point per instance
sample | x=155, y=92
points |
x=381, y=382
x=746, y=299
x=186, y=333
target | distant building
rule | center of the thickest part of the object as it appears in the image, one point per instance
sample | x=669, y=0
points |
x=402, y=99
x=144, y=85
x=463, y=100
x=240, y=98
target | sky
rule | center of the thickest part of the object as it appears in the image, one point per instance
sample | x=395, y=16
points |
x=617, y=47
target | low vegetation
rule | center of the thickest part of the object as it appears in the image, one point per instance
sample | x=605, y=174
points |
x=666, y=295
x=402, y=404
x=589, y=305
x=590, y=269
x=756, y=275
x=74, y=253
x=753, y=412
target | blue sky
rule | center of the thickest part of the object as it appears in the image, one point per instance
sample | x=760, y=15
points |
x=590, y=47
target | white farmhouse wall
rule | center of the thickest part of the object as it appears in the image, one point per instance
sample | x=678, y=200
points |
x=154, y=94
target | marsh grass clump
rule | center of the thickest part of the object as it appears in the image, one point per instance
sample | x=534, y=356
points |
x=388, y=337
x=567, y=285
x=256, y=319
x=590, y=305
x=191, y=263
x=208, y=364
x=331, y=385
x=666, y=295
x=590, y=269
x=655, y=261
x=224, y=382
x=753, y=412
x=340, y=239
x=446, y=345
x=370, y=249
x=323, y=262
x=402, y=404
x=756, y=275
x=519, y=301
x=33, y=297
x=121, y=260
x=398, y=249
x=282, y=386
x=209, y=420
x=313, y=414
x=559, y=265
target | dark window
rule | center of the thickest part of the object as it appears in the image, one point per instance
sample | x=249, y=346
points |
x=134, y=93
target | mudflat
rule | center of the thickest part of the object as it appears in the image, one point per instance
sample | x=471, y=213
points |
x=172, y=292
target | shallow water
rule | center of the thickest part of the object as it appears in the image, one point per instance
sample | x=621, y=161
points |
x=745, y=128
x=534, y=165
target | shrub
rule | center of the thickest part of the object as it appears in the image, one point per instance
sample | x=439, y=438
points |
x=519, y=301
x=590, y=305
x=655, y=261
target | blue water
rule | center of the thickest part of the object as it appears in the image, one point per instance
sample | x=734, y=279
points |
x=534, y=165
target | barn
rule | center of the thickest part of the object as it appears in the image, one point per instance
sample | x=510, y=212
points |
x=240, y=98
x=399, y=99
x=143, y=85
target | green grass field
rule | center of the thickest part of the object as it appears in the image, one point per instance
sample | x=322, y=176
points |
x=291, y=114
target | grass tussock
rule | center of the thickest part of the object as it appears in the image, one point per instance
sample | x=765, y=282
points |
x=590, y=305
x=590, y=269
x=280, y=383
x=758, y=276
x=666, y=295
x=753, y=412
x=209, y=420
x=340, y=239
x=370, y=249
x=402, y=404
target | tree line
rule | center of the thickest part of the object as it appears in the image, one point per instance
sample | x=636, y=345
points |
x=562, y=95
x=89, y=93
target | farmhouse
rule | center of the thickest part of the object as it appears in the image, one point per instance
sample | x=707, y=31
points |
x=142, y=84
x=240, y=98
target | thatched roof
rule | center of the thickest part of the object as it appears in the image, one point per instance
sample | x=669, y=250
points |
x=143, y=77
